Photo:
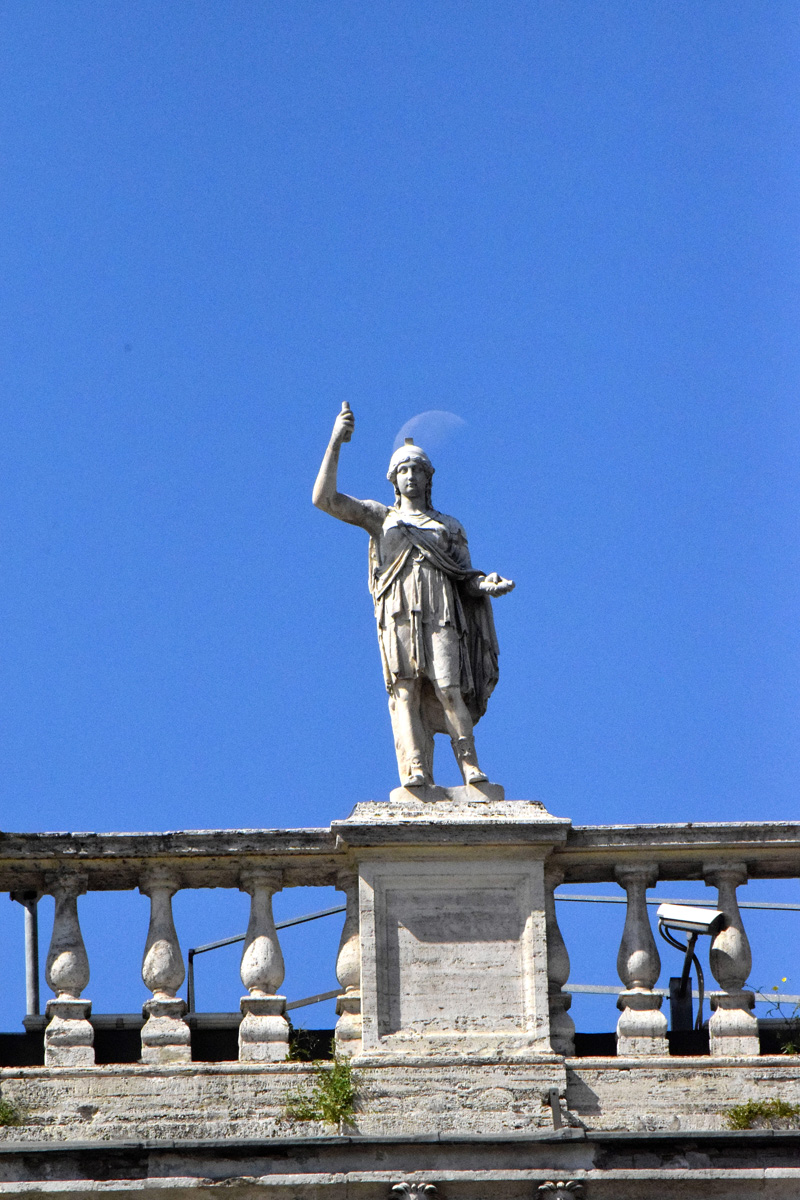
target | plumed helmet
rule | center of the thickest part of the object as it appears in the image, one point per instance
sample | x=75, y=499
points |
x=408, y=452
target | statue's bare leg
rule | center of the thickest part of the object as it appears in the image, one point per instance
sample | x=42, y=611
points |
x=409, y=733
x=460, y=728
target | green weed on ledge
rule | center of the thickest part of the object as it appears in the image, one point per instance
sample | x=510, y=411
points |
x=331, y=1099
x=762, y=1114
x=10, y=1114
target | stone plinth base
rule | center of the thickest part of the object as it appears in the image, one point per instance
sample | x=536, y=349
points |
x=69, y=1038
x=457, y=823
x=733, y=1030
x=431, y=793
x=165, y=1034
x=642, y=1028
x=264, y=1031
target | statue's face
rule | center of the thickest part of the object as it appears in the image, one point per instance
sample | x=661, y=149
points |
x=412, y=480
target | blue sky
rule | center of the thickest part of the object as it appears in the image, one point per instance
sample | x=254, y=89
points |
x=574, y=226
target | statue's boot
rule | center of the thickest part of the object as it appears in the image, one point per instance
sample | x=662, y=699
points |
x=467, y=759
x=415, y=774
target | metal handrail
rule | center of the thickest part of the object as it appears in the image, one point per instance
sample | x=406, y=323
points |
x=763, y=904
x=239, y=937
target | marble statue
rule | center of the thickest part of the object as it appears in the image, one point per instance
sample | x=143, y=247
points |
x=433, y=609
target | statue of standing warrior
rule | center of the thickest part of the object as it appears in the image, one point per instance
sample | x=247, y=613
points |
x=433, y=609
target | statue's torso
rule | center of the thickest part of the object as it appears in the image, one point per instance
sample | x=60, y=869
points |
x=419, y=588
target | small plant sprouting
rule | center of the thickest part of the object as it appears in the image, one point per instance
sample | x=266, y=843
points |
x=760, y=1114
x=791, y=1043
x=9, y=1113
x=331, y=1099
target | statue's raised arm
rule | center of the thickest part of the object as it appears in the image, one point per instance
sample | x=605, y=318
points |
x=433, y=609
x=326, y=495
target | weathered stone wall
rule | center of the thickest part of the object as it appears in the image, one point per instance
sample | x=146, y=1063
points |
x=218, y=1100
x=673, y=1094
x=599, y=1166
x=417, y=1096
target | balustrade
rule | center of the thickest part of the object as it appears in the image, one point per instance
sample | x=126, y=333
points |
x=348, y=970
x=68, y=1040
x=642, y=1028
x=261, y=863
x=264, y=1031
x=733, y=1029
x=165, y=1034
x=562, y=1026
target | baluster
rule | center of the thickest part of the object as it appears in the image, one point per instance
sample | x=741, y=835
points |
x=642, y=1028
x=733, y=1029
x=348, y=970
x=68, y=1037
x=264, y=1031
x=562, y=1026
x=165, y=1034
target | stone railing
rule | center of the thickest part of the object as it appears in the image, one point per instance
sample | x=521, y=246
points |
x=724, y=856
x=259, y=862
x=534, y=856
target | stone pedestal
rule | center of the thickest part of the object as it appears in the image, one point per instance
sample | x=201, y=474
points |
x=733, y=1028
x=642, y=1028
x=264, y=1031
x=453, y=926
x=68, y=1036
x=165, y=1034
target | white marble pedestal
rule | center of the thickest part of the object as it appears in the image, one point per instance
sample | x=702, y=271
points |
x=452, y=923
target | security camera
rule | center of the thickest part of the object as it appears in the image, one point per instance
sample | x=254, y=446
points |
x=690, y=919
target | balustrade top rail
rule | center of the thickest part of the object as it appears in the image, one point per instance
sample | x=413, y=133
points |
x=769, y=849
x=311, y=857
x=199, y=858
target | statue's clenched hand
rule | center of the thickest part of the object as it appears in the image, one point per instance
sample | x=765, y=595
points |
x=495, y=585
x=343, y=426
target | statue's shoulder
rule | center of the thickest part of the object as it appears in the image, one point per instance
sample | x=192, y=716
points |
x=453, y=526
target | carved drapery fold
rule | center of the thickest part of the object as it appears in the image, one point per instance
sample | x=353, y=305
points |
x=562, y=1026
x=733, y=1029
x=264, y=1031
x=348, y=970
x=69, y=1037
x=165, y=1034
x=642, y=1027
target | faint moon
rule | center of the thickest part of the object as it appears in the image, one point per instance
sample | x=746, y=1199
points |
x=430, y=429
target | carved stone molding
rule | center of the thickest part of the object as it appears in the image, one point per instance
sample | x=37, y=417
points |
x=572, y=1187
x=414, y=1191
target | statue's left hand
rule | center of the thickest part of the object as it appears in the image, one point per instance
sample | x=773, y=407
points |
x=495, y=585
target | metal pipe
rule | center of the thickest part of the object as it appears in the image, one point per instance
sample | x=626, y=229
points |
x=763, y=904
x=239, y=937
x=190, y=981
x=30, y=903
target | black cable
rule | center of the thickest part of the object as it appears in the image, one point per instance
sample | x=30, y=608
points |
x=700, y=992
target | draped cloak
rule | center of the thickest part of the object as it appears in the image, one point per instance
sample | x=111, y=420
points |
x=442, y=583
